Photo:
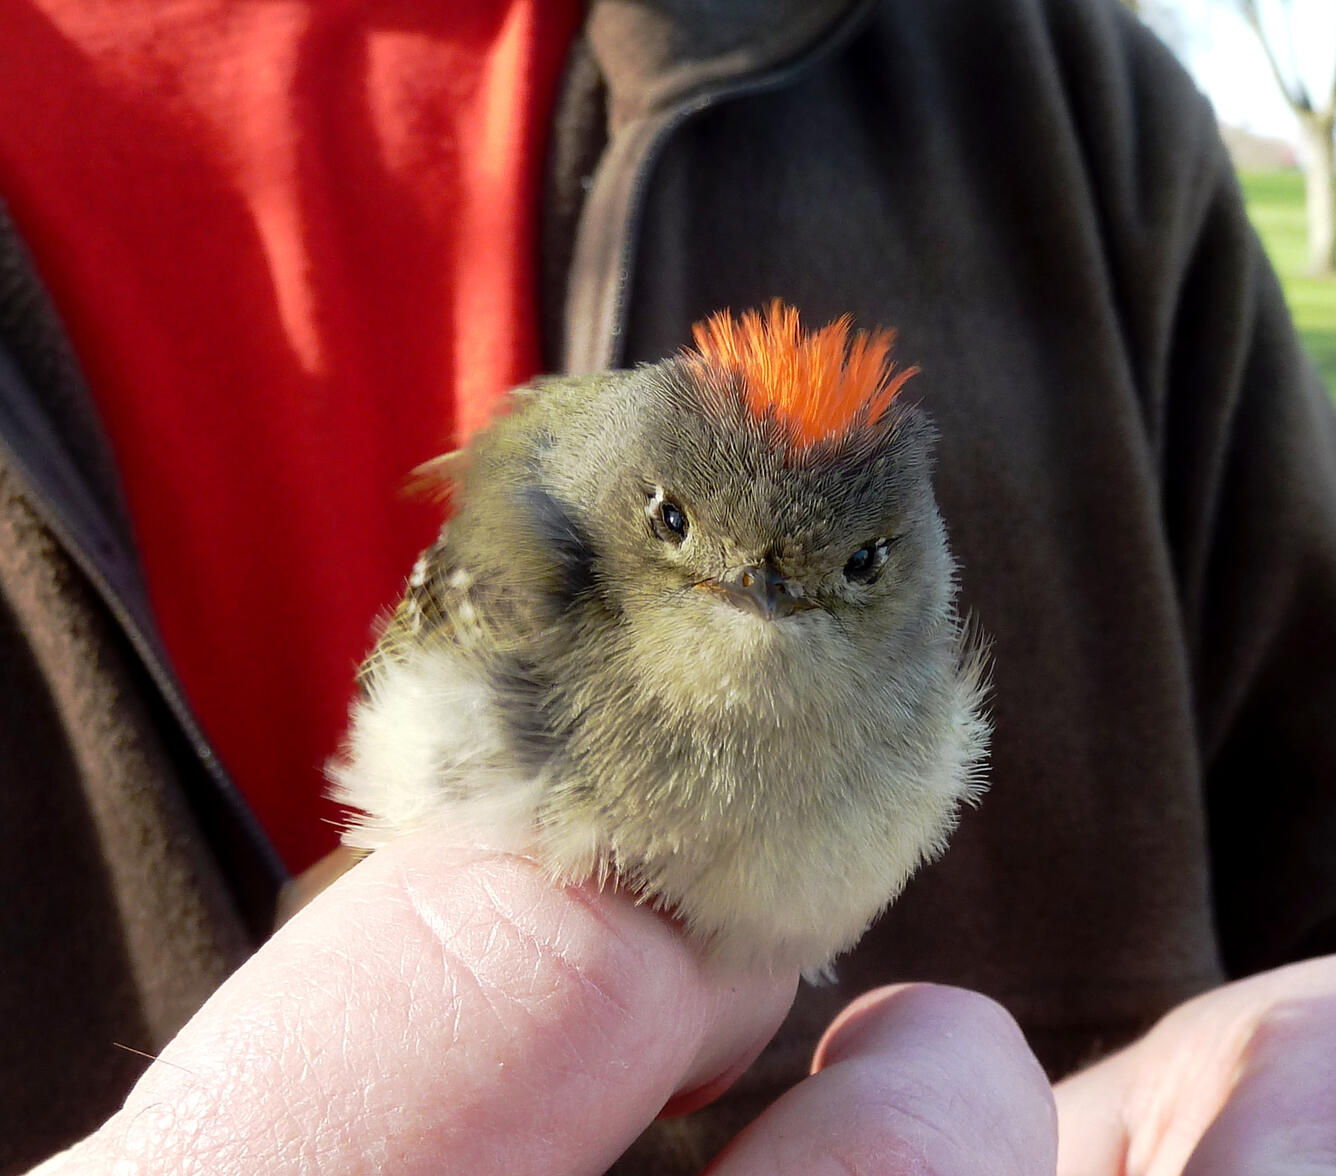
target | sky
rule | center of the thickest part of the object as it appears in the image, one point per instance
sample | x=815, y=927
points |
x=1223, y=55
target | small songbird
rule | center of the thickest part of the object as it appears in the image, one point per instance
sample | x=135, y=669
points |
x=690, y=628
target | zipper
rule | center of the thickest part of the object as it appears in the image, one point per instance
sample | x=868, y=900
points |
x=601, y=344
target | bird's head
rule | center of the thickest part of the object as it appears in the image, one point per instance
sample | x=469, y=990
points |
x=760, y=496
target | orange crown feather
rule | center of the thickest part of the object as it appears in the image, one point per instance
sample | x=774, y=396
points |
x=816, y=383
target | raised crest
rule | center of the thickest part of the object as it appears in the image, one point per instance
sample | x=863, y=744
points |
x=819, y=384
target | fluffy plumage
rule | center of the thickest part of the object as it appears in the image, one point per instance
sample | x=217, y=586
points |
x=684, y=633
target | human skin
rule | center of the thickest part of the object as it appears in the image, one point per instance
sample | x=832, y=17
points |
x=910, y=1080
x=451, y=1010
x=1240, y=1081
x=441, y=1011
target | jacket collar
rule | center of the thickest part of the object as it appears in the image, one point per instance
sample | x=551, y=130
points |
x=648, y=66
x=655, y=54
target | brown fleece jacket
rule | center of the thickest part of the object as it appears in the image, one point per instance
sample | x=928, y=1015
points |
x=1137, y=467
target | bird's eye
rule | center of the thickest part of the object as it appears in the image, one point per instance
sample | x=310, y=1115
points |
x=866, y=563
x=669, y=522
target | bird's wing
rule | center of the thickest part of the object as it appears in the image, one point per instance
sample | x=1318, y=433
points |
x=445, y=724
x=440, y=606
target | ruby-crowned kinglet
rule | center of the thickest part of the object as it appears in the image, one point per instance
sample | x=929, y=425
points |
x=691, y=627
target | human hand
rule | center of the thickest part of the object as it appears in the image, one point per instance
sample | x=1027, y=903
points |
x=910, y=1080
x=455, y=1012
x=440, y=1011
x=1241, y=1080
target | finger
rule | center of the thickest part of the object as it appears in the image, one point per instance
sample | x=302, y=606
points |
x=917, y=1079
x=1280, y=1118
x=445, y=1011
x=1093, y=1134
x=1239, y=1080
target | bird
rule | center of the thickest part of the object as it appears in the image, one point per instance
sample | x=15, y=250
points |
x=690, y=629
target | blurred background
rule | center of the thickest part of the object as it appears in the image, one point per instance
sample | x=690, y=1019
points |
x=1269, y=68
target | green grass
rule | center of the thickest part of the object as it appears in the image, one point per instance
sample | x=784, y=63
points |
x=1276, y=206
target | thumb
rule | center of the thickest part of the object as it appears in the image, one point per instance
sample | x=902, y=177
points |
x=442, y=1010
x=910, y=1079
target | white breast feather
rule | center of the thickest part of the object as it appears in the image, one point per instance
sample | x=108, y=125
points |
x=426, y=743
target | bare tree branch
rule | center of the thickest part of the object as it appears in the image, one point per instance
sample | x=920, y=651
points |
x=1298, y=97
x=1319, y=157
x=1331, y=96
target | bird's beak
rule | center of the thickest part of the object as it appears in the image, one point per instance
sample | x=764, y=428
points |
x=759, y=589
